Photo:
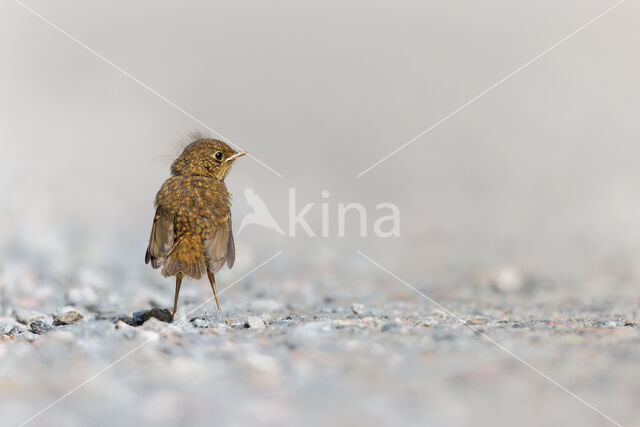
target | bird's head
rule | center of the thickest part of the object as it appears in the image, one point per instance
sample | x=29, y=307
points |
x=206, y=157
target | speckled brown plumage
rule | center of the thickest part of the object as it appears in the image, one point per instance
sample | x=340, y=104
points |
x=191, y=232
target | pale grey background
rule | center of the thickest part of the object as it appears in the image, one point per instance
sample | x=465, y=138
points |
x=541, y=172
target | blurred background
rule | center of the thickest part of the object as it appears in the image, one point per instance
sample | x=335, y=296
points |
x=535, y=182
x=541, y=172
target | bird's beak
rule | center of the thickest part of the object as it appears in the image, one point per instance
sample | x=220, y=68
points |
x=235, y=156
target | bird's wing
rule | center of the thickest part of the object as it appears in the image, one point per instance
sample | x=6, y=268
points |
x=160, y=241
x=220, y=248
x=231, y=247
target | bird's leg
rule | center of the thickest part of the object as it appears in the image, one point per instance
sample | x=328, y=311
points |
x=212, y=280
x=175, y=298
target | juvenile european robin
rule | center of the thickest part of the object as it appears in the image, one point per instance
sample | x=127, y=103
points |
x=191, y=232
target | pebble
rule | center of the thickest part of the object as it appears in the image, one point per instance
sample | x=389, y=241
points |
x=140, y=317
x=39, y=326
x=358, y=309
x=427, y=323
x=266, y=318
x=11, y=328
x=210, y=319
x=207, y=323
x=68, y=318
x=344, y=323
x=201, y=323
x=61, y=310
x=115, y=317
x=255, y=322
x=28, y=316
x=477, y=321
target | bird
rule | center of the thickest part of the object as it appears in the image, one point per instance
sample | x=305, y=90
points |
x=192, y=231
x=260, y=215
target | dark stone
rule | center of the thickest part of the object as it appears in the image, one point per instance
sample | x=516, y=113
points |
x=121, y=317
x=39, y=326
x=139, y=317
x=115, y=317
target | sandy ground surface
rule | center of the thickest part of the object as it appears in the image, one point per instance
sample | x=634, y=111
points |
x=363, y=350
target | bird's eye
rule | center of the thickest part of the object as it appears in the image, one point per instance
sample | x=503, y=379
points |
x=218, y=155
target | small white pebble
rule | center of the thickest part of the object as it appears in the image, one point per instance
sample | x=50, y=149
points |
x=358, y=309
x=255, y=322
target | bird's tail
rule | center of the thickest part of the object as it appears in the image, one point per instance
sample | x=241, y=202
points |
x=185, y=257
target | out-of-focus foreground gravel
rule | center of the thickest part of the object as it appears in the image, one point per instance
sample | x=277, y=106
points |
x=359, y=350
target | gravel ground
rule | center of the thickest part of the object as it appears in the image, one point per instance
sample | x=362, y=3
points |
x=298, y=351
